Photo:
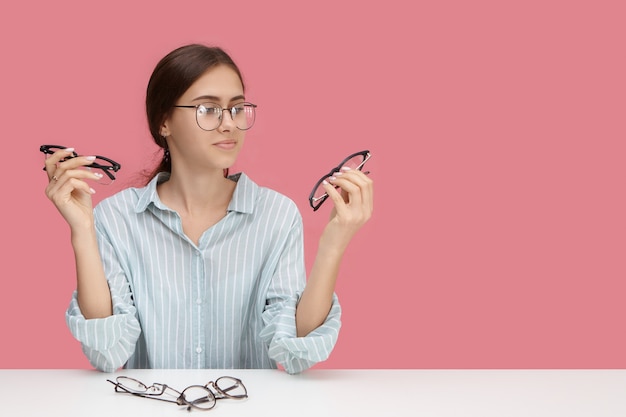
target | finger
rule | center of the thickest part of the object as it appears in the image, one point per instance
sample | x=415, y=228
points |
x=358, y=175
x=72, y=165
x=366, y=184
x=62, y=176
x=333, y=193
x=52, y=161
x=76, y=162
x=60, y=192
x=345, y=178
x=73, y=185
x=347, y=193
x=350, y=189
x=346, y=211
x=358, y=189
x=73, y=192
x=84, y=174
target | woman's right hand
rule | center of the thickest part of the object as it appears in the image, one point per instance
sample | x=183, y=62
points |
x=67, y=187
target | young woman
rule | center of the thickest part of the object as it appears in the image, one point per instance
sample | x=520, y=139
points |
x=199, y=269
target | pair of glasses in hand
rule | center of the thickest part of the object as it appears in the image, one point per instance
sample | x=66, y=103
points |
x=108, y=166
x=354, y=161
x=198, y=397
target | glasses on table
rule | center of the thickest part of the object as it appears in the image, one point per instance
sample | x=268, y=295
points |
x=198, y=397
x=355, y=161
x=106, y=165
x=209, y=115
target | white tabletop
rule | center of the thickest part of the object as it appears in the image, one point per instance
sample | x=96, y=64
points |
x=327, y=393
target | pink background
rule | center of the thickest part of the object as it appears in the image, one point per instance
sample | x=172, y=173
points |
x=498, y=140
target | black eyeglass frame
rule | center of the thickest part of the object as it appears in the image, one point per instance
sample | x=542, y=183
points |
x=115, y=166
x=316, y=203
x=160, y=389
x=222, y=109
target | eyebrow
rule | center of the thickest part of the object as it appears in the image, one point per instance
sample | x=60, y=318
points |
x=215, y=98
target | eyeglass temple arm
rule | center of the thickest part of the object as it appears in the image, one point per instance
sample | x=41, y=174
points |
x=119, y=386
x=105, y=169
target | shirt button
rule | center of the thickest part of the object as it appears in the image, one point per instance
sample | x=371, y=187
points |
x=198, y=349
x=199, y=301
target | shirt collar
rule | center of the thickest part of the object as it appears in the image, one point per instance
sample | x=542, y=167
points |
x=243, y=200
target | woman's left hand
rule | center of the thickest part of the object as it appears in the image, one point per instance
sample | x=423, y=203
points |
x=354, y=202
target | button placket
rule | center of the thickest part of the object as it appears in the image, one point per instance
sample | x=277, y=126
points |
x=199, y=281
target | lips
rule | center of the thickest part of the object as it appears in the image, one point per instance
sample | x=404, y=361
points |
x=226, y=144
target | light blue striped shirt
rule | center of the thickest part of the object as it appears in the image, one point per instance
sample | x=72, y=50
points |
x=228, y=302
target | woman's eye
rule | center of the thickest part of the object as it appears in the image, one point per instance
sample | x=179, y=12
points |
x=238, y=109
x=208, y=111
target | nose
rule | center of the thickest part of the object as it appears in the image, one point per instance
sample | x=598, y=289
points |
x=227, y=123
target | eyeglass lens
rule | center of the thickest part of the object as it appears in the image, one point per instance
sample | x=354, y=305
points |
x=209, y=115
x=199, y=396
x=136, y=386
x=356, y=162
x=231, y=387
x=101, y=165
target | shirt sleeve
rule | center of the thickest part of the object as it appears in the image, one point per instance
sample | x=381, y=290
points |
x=107, y=342
x=295, y=354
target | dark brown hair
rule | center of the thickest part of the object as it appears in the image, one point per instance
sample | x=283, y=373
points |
x=171, y=77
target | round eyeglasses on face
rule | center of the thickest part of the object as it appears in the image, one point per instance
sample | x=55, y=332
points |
x=209, y=115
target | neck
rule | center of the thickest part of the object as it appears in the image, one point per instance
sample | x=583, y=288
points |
x=189, y=194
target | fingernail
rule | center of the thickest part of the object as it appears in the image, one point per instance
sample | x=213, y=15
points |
x=69, y=149
x=346, y=168
x=90, y=158
x=332, y=178
x=92, y=190
x=325, y=182
x=97, y=174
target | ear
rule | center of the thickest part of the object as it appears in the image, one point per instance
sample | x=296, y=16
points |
x=164, y=131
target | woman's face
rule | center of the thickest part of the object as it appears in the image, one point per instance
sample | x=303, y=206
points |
x=197, y=148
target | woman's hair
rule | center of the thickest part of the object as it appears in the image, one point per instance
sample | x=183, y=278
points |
x=171, y=77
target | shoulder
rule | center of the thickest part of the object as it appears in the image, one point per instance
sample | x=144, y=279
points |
x=133, y=199
x=274, y=200
x=251, y=197
x=123, y=202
